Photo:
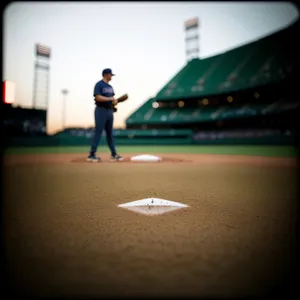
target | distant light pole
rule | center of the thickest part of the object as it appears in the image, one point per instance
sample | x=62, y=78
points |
x=65, y=93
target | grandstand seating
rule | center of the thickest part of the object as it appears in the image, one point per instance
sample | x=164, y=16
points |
x=19, y=121
x=254, y=64
x=258, y=137
x=191, y=115
x=153, y=132
x=260, y=63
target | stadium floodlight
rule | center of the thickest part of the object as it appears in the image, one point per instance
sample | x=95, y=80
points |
x=155, y=105
x=42, y=50
x=181, y=103
x=229, y=99
x=41, y=76
x=205, y=101
x=191, y=23
x=64, y=93
x=192, y=38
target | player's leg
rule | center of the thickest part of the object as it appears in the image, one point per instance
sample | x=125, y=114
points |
x=110, y=138
x=100, y=120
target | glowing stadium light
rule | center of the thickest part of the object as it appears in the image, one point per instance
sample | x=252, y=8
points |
x=191, y=23
x=181, y=103
x=155, y=105
x=42, y=50
x=9, y=92
x=229, y=99
x=205, y=101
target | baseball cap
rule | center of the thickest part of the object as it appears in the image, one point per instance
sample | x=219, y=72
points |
x=107, y=71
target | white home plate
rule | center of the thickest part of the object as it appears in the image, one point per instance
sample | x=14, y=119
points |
x=145, y=157
x=152, y=206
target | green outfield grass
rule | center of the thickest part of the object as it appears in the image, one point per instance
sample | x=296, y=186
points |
x=287, y=151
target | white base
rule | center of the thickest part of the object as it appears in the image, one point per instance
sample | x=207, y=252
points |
x=152, y=210
x=152, y=206
x=145, y=157
x=153, y=202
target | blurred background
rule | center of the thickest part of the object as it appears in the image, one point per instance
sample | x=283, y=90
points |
x=196, y=73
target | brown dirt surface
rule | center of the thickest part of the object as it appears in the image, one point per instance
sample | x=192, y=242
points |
x=65, y=236
x=169, y=158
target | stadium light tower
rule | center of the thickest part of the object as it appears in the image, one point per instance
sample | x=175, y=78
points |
x=41, y=77
x=64, y=93
x=192, y=38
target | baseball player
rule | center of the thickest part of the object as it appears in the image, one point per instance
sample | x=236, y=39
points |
x=104, y=118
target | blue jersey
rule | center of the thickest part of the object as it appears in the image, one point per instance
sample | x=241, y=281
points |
x=104, y=89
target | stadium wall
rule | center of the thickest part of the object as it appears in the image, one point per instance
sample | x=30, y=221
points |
x=212, y=139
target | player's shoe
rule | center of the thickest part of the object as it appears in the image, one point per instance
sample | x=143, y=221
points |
x=93, y=158
x=116, y=157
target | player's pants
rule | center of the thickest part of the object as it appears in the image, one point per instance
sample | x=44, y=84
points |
x=104, y=120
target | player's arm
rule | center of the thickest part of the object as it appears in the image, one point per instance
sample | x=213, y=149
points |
x=99, y=96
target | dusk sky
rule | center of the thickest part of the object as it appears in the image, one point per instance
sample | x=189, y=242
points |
x=142, y=42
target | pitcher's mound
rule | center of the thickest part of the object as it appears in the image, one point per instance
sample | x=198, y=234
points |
x=163, y=159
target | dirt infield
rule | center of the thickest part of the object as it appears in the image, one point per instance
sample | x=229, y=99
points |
x=170, y=158
x=65, y=236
